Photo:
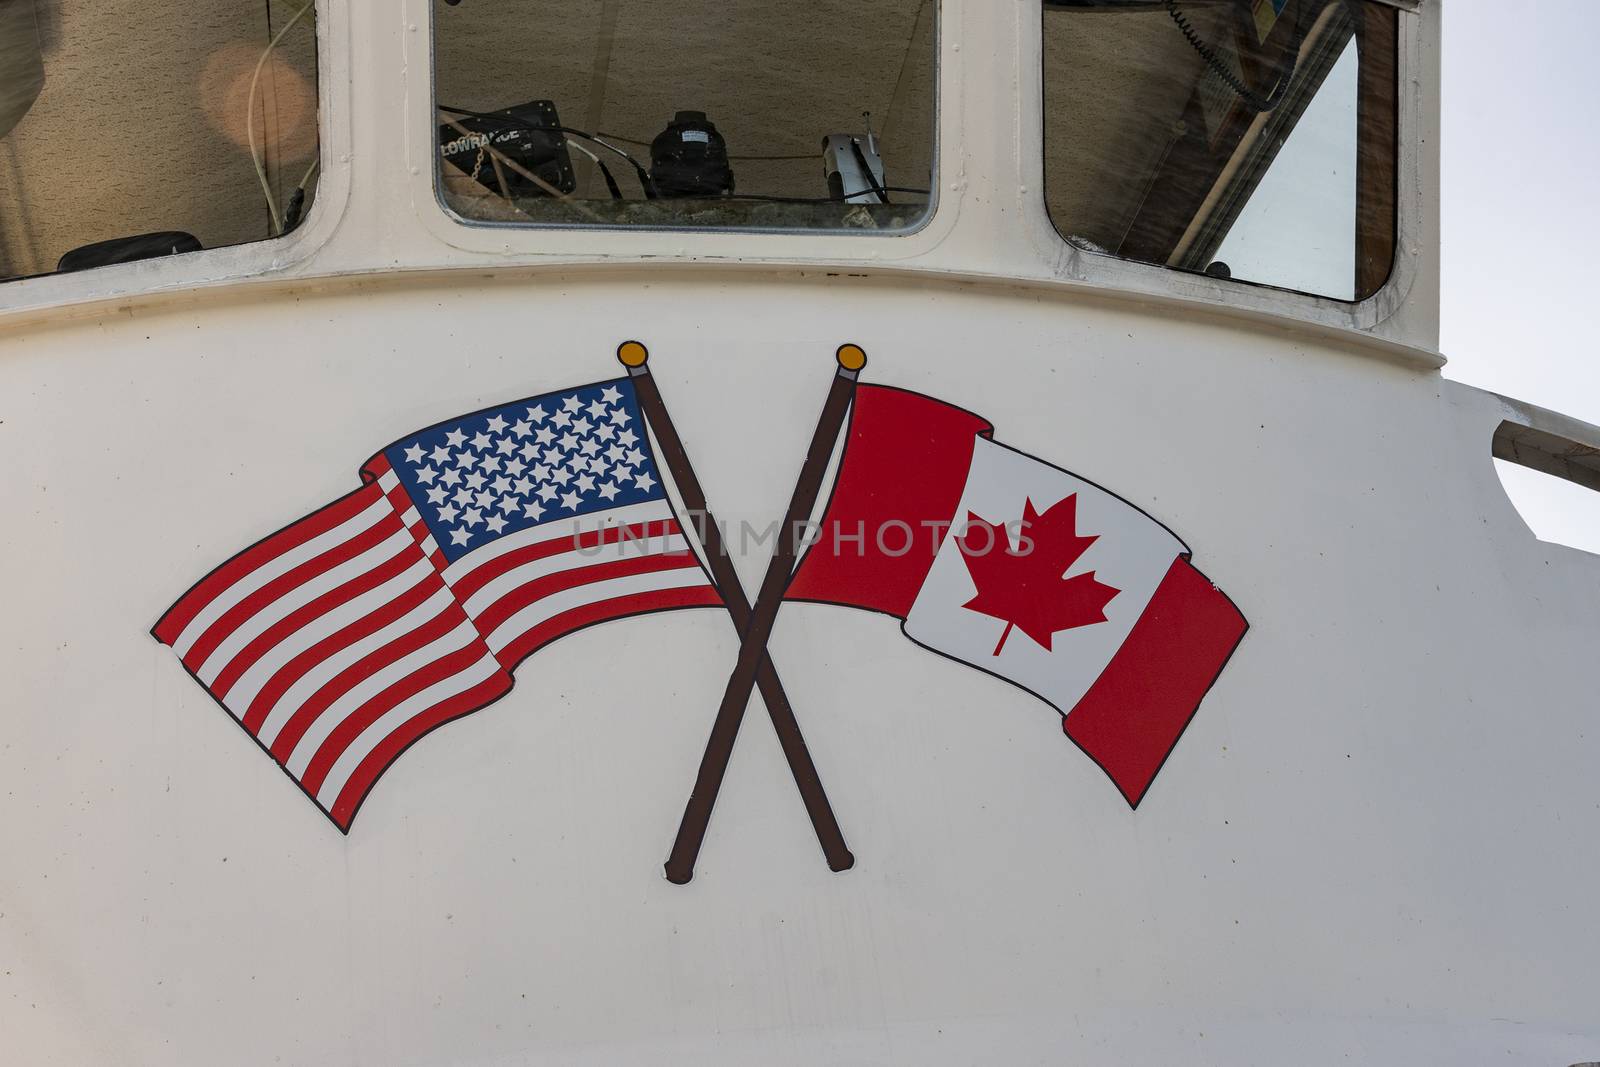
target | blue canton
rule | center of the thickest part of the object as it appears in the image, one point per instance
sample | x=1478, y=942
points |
x=496, y=472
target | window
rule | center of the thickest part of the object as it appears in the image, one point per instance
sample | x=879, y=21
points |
x=746, y=114
x=1251, y=139
x=138, y=129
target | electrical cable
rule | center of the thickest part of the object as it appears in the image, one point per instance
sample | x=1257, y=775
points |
x=1251, y=99
x=872, y=179
x=250, y=118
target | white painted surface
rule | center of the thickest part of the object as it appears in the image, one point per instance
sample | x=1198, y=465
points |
x=1374, y=844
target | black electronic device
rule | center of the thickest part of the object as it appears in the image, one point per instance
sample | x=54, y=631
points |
x=525, y=138
x=690, y=158
x=128, y=249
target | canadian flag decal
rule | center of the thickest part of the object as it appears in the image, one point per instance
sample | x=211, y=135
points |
x=1001, y=560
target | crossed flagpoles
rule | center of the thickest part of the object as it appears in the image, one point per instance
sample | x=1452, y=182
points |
x=753, y=668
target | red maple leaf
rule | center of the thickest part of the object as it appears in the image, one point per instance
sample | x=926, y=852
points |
x=1026, y=584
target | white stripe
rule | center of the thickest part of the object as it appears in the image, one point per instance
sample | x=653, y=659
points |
x=570, y=529
x=300, y=595
x=388, y=480
x=517, y=577
x=594, y=592
x=410, y=517
x=395, y=718
x=243, y=691
x=371, y=686
x=311, y=683
x=429, y=545
x=278, y=565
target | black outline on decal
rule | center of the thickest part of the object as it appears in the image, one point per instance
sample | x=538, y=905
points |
x=1187, y=555
x=369, y=480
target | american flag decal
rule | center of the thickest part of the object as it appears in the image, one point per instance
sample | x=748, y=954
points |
x=343, y=638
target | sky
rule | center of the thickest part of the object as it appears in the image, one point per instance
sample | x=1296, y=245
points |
x=1521, y=170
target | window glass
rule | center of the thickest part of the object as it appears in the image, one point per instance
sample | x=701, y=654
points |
x=138, y=128
x=1251, y=139
x=696, y=113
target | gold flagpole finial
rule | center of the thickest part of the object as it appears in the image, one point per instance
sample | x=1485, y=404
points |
x=632, y=354
x=852, y=357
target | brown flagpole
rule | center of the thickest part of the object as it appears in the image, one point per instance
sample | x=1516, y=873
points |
x=635, y=357
x=753, y=647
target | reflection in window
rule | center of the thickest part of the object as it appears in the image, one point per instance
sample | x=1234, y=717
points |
x=129, y=131
x=1252, y=139
x=698, y=113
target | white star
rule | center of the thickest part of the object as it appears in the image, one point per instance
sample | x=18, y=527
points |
x=485, y=499
x=496, y=524
x=634, y=457
x=596, y=463
x=585, y=483
x=611, y=395
x=515, y=466
x=455, y=438
x=562, y=419
x=472, y=516
x=541, y=472
x=533, y=510
x=426, y=475
x=436, y=495
x=459, y=536
x=521, y=487
x=450, y=477
x=615, y=453
x=628, y=437
x=596, y=409
x=561, y=475
x=571, y=500
x=440, y=455
x=622, y=472
x=466, y=459
x=571, y=403
x=609, y=491
x=605, y=431
x=644, y=481
x=530, y=451
x=448, y=513
x=547, y=492
x=552, y=456
x=537, y=414
x=481, y=441
x=569, y=442
x=491, y=464
x=462, y=499
x=475, y=480
x=521, y=428
x=588, y=446
x=506, y=445
x=582, y=427
x=497, y=425
x=619, y=416
x=509, y=504
x=545, y=435
x=501, y=485
x=414, y=454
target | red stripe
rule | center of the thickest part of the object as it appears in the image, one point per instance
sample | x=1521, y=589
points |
x=1131, y=718
x=388, y=750
x=181, y=614
x=283, y=745
x=375, y=620
x=308, y=613
x=906, y=460
x=351, y=726
x=488, y=571
x=557, y=626
x=492, y=617
x=286, y=582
